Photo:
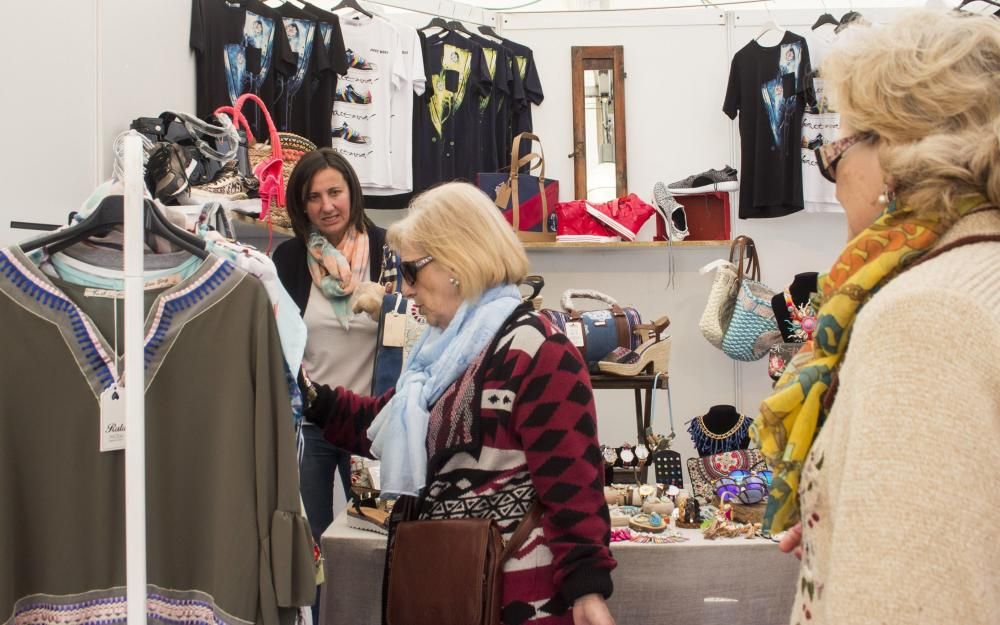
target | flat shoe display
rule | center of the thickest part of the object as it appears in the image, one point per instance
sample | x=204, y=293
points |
x=653, y=356
x=368, y=519
x=724, y=179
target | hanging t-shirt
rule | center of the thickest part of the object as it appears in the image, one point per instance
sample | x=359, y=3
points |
x=240, y=47
x=321, y=97
x=495, y=105
x=820, y=125
x=292, y=108
x=531, y=93
x=447, y=119
x=769, y=87
x=414, y=83
x=362, y=103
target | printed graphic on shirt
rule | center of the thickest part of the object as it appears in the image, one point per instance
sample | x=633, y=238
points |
x=347, y=133
x=491, y=67
x=325, y=31
x=779, y=93
x=247, y=64
x=356, y=61
x=351, y=95
x=300, y=40
x=449, y=85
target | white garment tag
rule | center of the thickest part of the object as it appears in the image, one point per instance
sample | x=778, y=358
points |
x=156, y=283
x=574, y=330
x=113, y=418
x=394, y=330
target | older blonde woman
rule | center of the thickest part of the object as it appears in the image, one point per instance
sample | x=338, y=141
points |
x=885, y=443
x=493, y=406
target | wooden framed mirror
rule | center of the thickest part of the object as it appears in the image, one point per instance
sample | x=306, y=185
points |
x=600, y=168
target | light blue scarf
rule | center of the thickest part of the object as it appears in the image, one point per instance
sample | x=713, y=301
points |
x=399, y=432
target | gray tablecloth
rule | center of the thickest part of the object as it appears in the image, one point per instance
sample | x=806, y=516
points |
x=700, y=582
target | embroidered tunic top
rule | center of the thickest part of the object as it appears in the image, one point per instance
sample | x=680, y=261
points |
x=226, y=543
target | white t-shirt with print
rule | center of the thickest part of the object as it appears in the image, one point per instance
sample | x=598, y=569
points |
x=819, y=195
x=362, y=105
x=401, y=144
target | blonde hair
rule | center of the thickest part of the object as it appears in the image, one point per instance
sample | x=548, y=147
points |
x=929, y=87
x=462, y=229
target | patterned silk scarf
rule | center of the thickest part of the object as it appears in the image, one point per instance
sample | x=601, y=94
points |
x=338, y=270
x=791, y=417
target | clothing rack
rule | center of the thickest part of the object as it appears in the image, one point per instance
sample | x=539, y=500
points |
x=446, y=9
x=135, y=386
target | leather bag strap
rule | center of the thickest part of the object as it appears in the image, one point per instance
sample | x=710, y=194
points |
x=530, y=521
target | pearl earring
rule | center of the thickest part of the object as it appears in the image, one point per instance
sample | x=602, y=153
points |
x=886, y=196
x=454, y=280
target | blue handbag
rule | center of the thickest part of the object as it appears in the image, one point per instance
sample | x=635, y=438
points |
x=596, y=333
x=399, y=327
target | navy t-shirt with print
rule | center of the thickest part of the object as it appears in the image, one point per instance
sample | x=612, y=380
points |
x=769, y=87
x=321, y=108
x=446, y=118
x=240, y=47
x=530, y=92
x=494, y=107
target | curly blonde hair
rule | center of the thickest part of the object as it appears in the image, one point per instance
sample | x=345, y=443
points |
x=929, y=87
x=462, y=229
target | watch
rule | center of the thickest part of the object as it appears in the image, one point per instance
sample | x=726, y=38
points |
x=609, y=453
x=627, y=455
x=641, y=452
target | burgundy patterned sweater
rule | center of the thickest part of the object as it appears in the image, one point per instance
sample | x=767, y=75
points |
x=519, y=421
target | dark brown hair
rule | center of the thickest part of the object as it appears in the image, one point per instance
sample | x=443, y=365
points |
x=301, y=180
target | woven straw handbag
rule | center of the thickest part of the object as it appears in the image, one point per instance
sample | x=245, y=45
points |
x=272, y=162
x=752, y=328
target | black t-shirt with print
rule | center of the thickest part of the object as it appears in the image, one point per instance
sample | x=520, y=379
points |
x=770, y=87
x=529, y=93
x=321, y=107
x=494, y=107
x=240, y=47
x=292, y=108
x=446, y=119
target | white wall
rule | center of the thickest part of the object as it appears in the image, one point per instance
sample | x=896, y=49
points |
x=63, y=105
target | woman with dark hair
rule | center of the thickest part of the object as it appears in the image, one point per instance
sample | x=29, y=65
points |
x=335, y=249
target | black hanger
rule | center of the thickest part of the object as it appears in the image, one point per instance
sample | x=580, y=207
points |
x=437, y=22
x=826, y=18
x=457, y=26
x=111, y=212
x=488, y=31
x=350, y=4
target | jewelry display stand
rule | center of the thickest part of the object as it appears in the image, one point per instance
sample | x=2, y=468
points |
x=642, y=385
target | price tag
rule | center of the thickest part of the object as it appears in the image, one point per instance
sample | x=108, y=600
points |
x=113, y=418
x=574, y=330
x=394, y=330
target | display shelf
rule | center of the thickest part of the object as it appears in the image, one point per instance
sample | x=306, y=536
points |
x=621, y=245
x=536, y=245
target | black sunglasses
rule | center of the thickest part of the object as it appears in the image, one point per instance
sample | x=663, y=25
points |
x=409, y=268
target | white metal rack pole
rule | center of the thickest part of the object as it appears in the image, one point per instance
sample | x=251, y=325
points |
x=135, y=386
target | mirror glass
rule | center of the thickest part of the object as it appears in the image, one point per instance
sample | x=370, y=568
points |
x=599, y=114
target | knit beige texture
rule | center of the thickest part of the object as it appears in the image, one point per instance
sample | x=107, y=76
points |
x=900, y=497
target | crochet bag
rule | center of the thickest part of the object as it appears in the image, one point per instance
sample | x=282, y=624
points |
x=722, y=298
x=703, y=471
x=596, y=333
x=752, y=328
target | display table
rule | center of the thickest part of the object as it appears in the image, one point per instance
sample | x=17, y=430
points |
x=733, y=581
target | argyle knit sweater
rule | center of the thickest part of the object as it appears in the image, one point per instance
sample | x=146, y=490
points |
x=519, y=423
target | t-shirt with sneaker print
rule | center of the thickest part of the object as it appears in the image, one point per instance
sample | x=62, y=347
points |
x=769, y=87
x=240, y=47
x=321, y=105
x=361, y=123
x=401, y=142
